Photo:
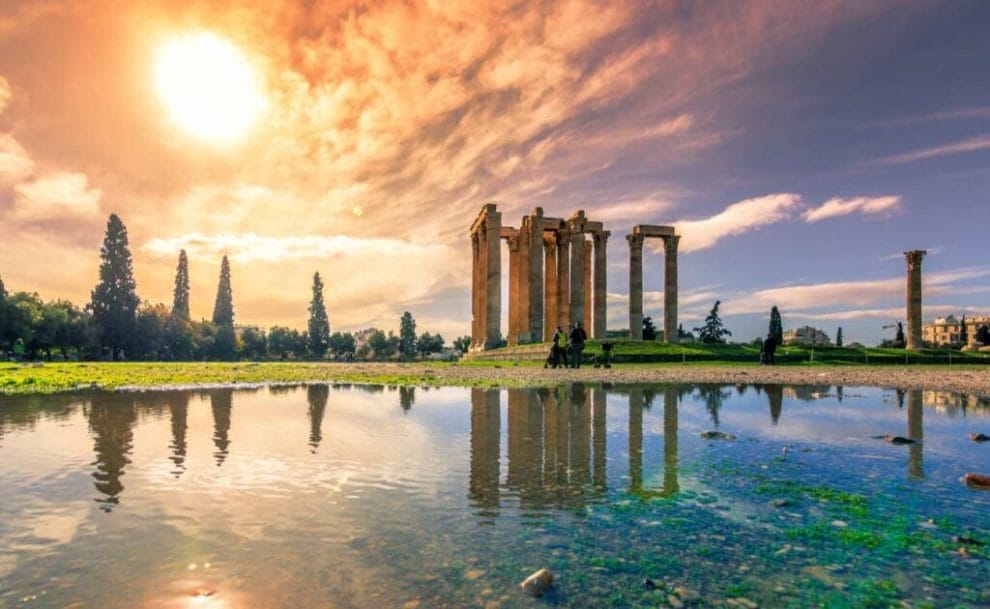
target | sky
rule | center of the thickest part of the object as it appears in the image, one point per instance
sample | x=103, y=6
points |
x=798, y=147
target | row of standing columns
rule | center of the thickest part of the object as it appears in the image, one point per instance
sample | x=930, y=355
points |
x=558, y=277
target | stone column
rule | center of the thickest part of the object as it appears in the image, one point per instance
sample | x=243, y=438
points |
x=493, y=279
x=577, y=278
x=550, y=286
x=601, y=290
x=636, y=439
x=513, y=241
x=524, y=300
x=635, y=286
x=482, y=286
x=913, y=336
x=670, y=288
x=476, y=338
x=535, y=275
x=587, y=287
x=563, y=279
x=598, y=440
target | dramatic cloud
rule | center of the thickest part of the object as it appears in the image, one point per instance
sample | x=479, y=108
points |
x=15, y=164
x=57, y=195
x=736, y=219
x=973, y=144
x=4, y=93
x=842, y=207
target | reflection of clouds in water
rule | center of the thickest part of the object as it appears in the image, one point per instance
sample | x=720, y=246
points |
x=41, y=526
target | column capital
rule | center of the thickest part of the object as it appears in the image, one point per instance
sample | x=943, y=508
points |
x=670, y=244
x=601, y=237
x=513, y=242
x=550, y=243
x=635, y=241
x=914, y=258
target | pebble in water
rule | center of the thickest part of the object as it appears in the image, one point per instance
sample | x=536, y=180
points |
x=979, y=437
x=538, y=583
x=977, y=481
x=717, y=435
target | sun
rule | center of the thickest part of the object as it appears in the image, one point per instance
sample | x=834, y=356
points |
x=208, y=87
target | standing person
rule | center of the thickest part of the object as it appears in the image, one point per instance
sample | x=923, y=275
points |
x=769, y=349
x=763, y=351
x=578, y=336
x=556, y=351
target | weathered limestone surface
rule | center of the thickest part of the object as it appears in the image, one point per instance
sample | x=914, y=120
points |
x=551, y=291
x=635, y=286
x=576, y=228
x=587, y=286
x=597, y=329
x=535, y=226
x=563, y=278
x=670, y=333
x=486, y=280
x=513, y=241
x=913, y=334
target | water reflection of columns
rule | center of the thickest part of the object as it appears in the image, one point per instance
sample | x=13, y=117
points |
x=916, y=466
x=635, y=440
x=598, y=443
x=483, y=489
x=221, y=402
x=317, y=396
x=670, y=483
x=580, y=441
x=178, y=406
x=111, y=423
x=525, y=447
x=407, y=397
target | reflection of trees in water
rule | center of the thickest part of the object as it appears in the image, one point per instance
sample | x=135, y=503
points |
x=407, y=397
x=317, y=396
x=775, y=397
x=22, y=412
x=111, y=422
x=178, y=407
x=714, y=396
x=221, y=402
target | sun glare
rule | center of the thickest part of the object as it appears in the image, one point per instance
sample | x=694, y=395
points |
x=208, y=87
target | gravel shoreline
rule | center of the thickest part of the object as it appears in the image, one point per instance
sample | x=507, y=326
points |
x=962, y=380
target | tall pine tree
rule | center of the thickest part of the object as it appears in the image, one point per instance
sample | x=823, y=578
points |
x=3, y=291
x=319, y=324
x=963, y=333
x=899, y=337
x=114, y=300
x=407, y=336
x=776, y=326
x=838, y=337
x=180, y=294
x=713, y=331
x=223, y=308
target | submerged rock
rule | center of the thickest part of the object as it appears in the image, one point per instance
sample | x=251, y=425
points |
x=895, y=439
x=717, y=435
x=979, y=437
x=538, y=583
x=977, y=481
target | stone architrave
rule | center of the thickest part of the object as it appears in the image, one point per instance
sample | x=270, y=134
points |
x=635, y=286
x=588, y=303
x=551, y=291
x=670, y=333
x=913, y=334
x=597, y=330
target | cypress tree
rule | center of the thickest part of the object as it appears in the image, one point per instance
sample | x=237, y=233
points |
x=223, y=308
x=963, y=333
x=899, y=337
x=3, y=291
x=776, y=326
x=180, y=294
x=838, y=337
x=114, y=300
x=319, y=324
x=407, y=336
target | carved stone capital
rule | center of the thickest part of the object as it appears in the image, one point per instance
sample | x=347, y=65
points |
x=670, y=244
x=600, y=237
x=635, y=241
x=914, y=258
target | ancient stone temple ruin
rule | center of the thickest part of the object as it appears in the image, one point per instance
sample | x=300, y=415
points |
x=913, y=334
x=557, y=277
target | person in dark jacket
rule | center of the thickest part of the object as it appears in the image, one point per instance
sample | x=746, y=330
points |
x=578, y=336
x=770, y=349
x=557, y=351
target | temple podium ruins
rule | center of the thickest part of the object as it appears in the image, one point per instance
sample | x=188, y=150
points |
x=557, y=277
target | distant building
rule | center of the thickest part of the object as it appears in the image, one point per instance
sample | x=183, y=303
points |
x=946, y=330
x=806, y=335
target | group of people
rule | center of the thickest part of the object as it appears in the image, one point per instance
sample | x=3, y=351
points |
x=570, y=354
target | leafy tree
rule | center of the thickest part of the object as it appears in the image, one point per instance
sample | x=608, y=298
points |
x=226, y=344
x=342, y=344
x=151, y=331
x=407, y=336
x=983, y=335
x=319, y=324
x=649, y=330
x=899, y=337
x=283, y=342
x=963, y=332
x=462, y=344
x=254, y=343
x=838, y=337
x=180, y=293
x=223, y=308
x=180, y=337
x=713, y=331
x=776, y=329
x=428, y=343
x=379, y=344
x=114, y=300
